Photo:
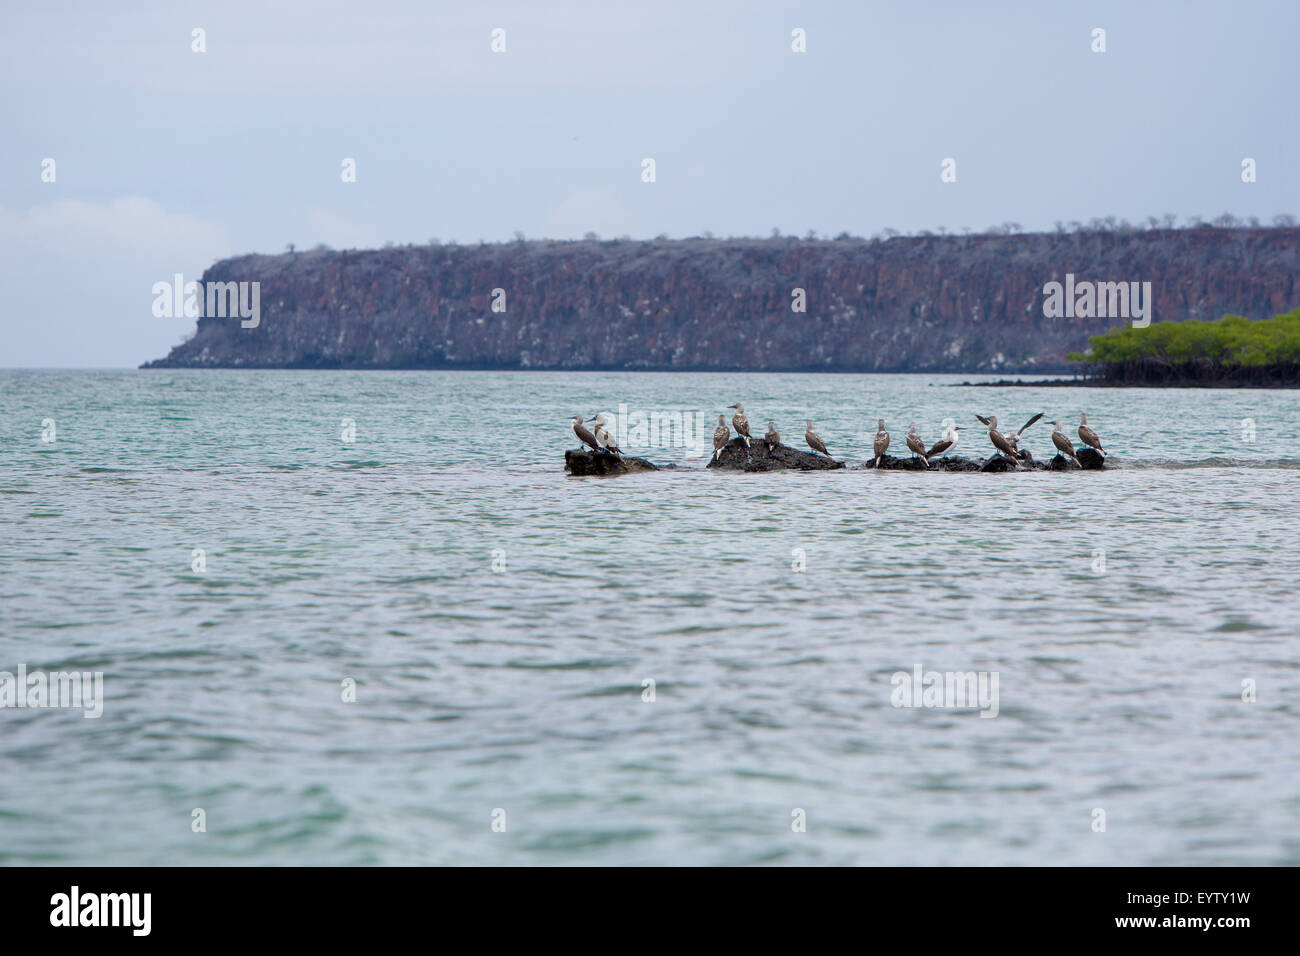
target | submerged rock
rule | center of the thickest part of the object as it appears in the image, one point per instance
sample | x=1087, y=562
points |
x=590, y=463
x=736, y=457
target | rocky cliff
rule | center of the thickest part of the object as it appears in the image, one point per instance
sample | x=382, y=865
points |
x=926, y=303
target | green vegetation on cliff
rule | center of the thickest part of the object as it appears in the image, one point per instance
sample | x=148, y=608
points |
x=1231, y=350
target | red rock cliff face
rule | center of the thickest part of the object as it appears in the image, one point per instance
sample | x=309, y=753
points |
x=955, y=303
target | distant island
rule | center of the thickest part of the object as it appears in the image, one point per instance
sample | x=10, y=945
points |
x=926, y=303
x=1233, y=351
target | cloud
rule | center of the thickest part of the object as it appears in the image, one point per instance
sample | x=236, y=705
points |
x=78, y=278
x=131, y=229
x=590, y=210
x=328, y=227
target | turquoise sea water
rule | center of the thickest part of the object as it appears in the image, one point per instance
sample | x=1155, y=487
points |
x=521, y=689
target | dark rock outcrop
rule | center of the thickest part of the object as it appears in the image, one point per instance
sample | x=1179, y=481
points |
x=736, y=457
x=757, y=457
x=999, y=464
x=912, y=463
x=948, y=463
x=590, y=463
x=1089, y=460
x=925, y=303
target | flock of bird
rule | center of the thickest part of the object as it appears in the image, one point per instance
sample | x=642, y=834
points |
x=1007, y=445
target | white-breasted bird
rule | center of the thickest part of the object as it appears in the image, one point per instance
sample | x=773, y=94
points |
x=945, y=444
x=603, y=437
x=584, y=436
x=1014, y=437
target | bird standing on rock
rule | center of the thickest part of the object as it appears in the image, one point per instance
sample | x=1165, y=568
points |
x=740, y=423
x=814, y=440
x=1088, y=435
x=773, y=437
x=1063, y=444
x=915, y=445
x=882, y=441
x=945, y=444
x=584, y=436
x=603, y=437
x=720, y=436
x=1014, y=437
x=999, y=441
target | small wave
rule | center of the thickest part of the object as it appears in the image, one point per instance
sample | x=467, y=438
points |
x=584, y=664
x=1171, y=465
x=1238, y=623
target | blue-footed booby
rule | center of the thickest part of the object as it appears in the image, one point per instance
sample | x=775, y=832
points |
x=813, y=439
x=1063, y=444
x=603, y=437
x=915, y=445
x=945, y=444
x=720, y=436
x=882, y=441
x=740, y=423
x=584, y=436
x=773, y=437
x=1088, y=435
x=1007, y=450
x=1014, y=437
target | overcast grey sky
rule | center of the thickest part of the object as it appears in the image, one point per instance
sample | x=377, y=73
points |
x=167, y=159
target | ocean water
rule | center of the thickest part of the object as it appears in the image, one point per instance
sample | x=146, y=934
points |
x=499, y=620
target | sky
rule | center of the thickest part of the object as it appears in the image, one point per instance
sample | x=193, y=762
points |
x=167, y=159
